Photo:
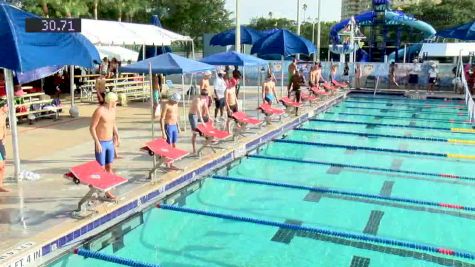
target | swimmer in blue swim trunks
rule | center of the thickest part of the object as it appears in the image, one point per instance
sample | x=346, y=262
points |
x=268, y=94
x=169, y=120
x=104, y=131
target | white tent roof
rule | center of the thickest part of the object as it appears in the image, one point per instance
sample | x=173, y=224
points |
x=121, y=53
x=447, y=49
x=122, y=33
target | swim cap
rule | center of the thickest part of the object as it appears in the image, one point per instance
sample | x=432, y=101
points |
x=111, y=97
x=175, y=97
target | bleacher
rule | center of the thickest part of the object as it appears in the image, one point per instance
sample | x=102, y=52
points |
x=133, y=87
x=37, y=104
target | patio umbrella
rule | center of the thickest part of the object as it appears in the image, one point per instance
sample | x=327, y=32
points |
x=23, y=52
x=284, y=43
x=248, y=36
x=167, y=63
x=462, y=32
x=236, y=59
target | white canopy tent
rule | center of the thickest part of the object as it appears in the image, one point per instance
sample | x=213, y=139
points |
x=120, y=53
x=447, y=49
x=105, y=32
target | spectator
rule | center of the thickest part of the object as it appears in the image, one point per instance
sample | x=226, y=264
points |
x=237, y=76
x=432, y=78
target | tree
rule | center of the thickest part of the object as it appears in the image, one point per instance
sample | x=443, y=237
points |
x=445, y=14
x=270, y=23
x=194, y=18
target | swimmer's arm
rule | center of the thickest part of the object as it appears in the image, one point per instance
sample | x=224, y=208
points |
x=92, y=127
x=200, y=115
x=162, y=119
x=116, y=133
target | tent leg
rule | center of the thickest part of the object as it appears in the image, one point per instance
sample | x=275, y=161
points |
x=71, y=88
x=282, y=76
x=243, y=89
x=13, y=122
x=183, y=101
x=151, y=99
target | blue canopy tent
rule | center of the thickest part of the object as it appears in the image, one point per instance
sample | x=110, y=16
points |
x=248, y=36
x=167, y=63
x=283, y=43
x=236, y=59
x=23, y=52
x=462, y=32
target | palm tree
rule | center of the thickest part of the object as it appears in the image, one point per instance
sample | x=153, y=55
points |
x=304, y=10
x=270, y=14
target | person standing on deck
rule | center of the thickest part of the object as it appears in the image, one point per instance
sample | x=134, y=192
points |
x=312, y=79
x=297, y=81
x=432, y=79
x=231, y=104
x=198, y=114
x=237, y=76
x=204, y=86
x=268, y=94
x=169, y=120
x=156, y=88
x=219, y=93
x=3, y=134
x=103, y=129
x=392, y=75
x=291, y=71
x=101, y=88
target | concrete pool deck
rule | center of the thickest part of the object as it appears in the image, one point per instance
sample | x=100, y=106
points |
x=36, y=212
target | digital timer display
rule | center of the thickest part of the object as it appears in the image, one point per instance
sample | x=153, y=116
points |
x=52, y=25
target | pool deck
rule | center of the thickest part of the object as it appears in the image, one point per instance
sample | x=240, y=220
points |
x=36, y=222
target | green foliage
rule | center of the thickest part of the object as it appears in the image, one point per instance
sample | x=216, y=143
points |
x=188, y=17
x=446, y=14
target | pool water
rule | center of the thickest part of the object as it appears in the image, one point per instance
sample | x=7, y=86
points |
x=172, y=238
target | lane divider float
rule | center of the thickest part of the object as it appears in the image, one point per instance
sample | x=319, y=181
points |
x=325, y=231
x=359, y=96
x=360, y=167
x=400, y=117
x=344, y=193
x=377, y=149
x=408, y=105
x=416, y=110
x=384, y=124
x=112, y=258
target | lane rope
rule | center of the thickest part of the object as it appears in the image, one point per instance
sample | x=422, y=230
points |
x=420, y=138
x=416, y=105
x=404, y=99
x=344, y=193
x=324, y=231
x=377, y=149
x=360, y=167
x=452, y=121
x=460, y=114
x=112, y=258
x=385, y=124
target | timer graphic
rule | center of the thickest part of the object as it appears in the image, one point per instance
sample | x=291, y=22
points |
x=52, y=25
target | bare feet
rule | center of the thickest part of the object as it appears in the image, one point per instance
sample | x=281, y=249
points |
x=3, y=189
x=110, y=196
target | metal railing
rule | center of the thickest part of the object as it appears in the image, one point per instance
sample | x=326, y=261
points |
x=468, y=96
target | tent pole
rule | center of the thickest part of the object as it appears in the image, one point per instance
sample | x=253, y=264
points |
x=13, y=122
x=193, y=49
x=282, y=76
x=258, y=89
x=71, y=84
x=151, y=98
x=183, y=101
x=243, y=87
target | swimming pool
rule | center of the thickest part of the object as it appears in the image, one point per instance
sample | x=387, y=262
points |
x=378, y=164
